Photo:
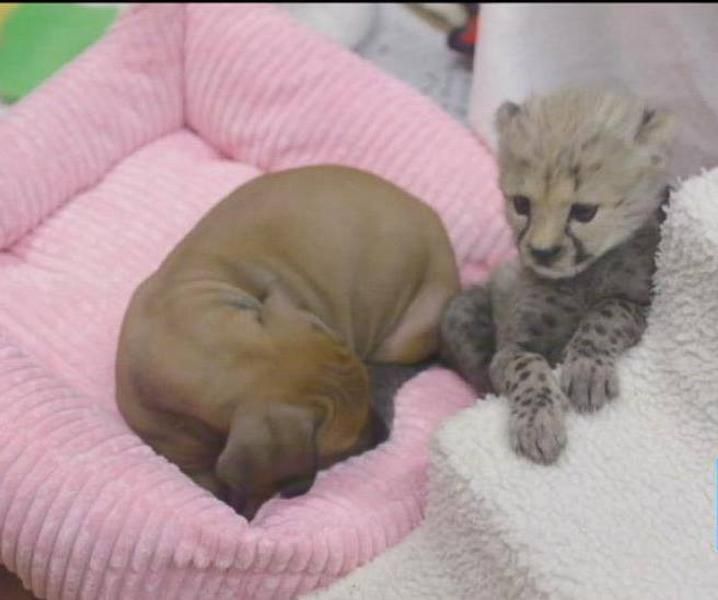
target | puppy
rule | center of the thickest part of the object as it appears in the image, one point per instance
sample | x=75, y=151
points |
x=242, y=359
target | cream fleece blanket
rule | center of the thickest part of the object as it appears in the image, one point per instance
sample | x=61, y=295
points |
x=628, y=512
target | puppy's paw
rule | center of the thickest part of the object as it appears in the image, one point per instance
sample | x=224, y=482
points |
x=537, y=427
x=589, y=382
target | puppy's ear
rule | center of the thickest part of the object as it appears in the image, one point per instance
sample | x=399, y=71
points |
x=271, y=447
x=349, y=426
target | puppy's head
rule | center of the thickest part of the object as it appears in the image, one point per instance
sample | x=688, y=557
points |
x=311, y=408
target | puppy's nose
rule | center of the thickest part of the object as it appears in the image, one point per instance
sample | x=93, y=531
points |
x=545, y=256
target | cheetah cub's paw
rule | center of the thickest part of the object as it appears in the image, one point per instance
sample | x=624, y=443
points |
x=537, y=428
x=589, y=381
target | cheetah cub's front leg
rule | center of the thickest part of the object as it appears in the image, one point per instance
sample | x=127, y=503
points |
x=536, y=424
x=588, y=376
x=536, y=322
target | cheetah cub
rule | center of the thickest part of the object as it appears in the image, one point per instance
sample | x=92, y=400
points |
x=584, y=176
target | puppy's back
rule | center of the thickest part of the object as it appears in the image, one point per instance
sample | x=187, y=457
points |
x=354, y=248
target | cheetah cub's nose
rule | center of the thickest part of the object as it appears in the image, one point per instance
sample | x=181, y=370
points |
x=545, y=256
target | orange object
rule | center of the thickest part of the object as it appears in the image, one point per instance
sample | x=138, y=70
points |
x=464, y=39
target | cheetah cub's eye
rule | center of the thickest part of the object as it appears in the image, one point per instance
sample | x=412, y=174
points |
x=522, y=205
x=583, y=213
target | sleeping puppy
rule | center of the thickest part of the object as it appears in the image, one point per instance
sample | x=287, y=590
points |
x=242, y=359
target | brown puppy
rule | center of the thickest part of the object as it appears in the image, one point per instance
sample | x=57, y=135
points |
x=241, y=358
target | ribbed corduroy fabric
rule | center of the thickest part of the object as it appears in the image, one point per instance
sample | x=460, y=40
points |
x=102, y=171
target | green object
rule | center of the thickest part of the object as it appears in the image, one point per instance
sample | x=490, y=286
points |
x=36, y=40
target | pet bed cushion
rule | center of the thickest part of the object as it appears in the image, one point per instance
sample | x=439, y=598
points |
x=102, y=171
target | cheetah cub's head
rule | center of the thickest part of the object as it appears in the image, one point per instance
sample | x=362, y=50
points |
x=581, y=171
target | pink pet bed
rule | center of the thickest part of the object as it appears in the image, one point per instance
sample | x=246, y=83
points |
x=102, y=171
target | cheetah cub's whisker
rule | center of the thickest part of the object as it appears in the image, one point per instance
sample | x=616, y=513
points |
x=584, y=174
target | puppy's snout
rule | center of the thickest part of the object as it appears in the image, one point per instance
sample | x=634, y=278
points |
x=297, y=486
x=545, y=256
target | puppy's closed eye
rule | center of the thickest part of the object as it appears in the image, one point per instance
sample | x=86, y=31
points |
x=247, y=302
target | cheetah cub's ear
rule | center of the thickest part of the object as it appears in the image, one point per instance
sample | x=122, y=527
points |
x=655, y=132
x=504, y=114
